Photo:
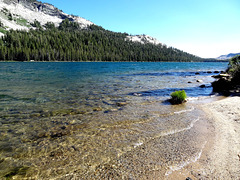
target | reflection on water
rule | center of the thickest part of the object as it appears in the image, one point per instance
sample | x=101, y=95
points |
x=98, y=120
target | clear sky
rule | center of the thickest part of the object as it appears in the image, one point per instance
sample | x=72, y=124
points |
x=206, y=28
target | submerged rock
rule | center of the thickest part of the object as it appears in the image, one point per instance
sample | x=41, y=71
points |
x=1, y=160
x=137, y=94
x=110, y=110
x=60, y=131
x=97, y=109
x=122, y=103
x=16, y=171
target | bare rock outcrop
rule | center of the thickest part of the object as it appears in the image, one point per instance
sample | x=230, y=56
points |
x=31, y=10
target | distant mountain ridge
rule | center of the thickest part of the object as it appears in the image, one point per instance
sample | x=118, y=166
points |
x=228, y=56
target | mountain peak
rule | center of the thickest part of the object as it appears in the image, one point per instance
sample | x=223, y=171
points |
x=19, y=14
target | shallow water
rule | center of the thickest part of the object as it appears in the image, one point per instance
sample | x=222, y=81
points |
x=100, y=120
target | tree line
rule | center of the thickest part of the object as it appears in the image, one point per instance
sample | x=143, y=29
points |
x=69, y=42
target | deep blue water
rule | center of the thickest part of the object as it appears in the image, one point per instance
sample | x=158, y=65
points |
x=35, y=86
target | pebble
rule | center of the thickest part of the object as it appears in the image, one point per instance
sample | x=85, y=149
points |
x=111, y=110
x=137, y=94
x=121, y=104
x=72, y=122
x=97, y=109
x=35, y=115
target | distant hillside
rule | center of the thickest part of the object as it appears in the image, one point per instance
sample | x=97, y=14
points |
x=32, y=30
x=228, y=56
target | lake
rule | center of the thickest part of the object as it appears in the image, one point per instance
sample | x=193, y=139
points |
x=101, y=120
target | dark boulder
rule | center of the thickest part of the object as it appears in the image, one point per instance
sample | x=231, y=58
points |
x=222, y=84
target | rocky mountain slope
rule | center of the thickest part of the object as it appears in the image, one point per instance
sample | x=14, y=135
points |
x=143, y=39
x=228, y=56
x=20, y=14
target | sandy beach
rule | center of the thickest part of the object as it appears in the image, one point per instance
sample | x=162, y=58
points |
x=224, y=160
x=220, y=158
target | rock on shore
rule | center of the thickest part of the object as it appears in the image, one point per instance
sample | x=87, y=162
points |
x=225, y=85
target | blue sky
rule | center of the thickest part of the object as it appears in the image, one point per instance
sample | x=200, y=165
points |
x=206, y=28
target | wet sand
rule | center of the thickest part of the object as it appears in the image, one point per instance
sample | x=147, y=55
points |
x=220, y=158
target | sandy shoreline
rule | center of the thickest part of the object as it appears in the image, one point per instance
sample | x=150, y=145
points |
x=220, y=158
x=224, y=155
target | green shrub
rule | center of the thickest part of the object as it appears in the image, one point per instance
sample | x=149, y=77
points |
x=234, y=61
x=236, y=75
x=22, y=22
x=2, y=30
x=234, y=69
x=233, y=65
x=178, y=97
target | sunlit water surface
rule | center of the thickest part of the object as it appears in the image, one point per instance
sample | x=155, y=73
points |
x=100, y=120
